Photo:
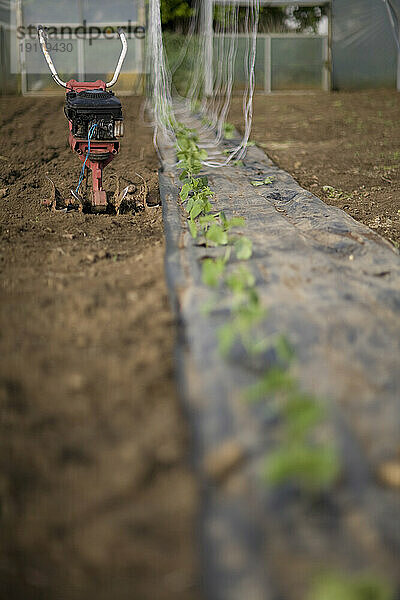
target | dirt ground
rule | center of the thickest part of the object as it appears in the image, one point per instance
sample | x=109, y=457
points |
x=96, y=498
x=344, y=147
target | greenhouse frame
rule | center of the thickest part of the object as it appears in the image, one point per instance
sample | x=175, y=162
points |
x=360, y=50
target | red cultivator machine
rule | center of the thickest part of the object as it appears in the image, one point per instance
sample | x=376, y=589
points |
x=95, y=126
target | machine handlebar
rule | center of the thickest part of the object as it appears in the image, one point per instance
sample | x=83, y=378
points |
x=121, y=59
x=43, y=37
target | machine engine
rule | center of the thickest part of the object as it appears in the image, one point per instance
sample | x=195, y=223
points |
x=88, y=107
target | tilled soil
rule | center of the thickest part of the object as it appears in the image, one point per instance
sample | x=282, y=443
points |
x=344, y=147
x=96, y=499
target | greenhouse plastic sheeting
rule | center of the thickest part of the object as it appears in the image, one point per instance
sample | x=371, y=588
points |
x=78, y=54
x=222, y=44
x=297, y=63
x=364, y=52
x=8, y=81
x=93, y=11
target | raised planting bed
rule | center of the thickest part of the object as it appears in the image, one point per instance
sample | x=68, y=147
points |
x=295, y=420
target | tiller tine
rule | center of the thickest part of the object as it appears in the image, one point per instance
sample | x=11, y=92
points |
x=56, y=201
x=77, y=198
x=54, y=196
x=120, y=196
x=123, y=194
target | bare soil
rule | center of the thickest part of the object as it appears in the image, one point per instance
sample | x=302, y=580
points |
x=344, y=147
x=96, y=498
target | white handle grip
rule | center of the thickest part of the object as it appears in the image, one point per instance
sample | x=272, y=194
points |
x=42, y=39
x=121, y=59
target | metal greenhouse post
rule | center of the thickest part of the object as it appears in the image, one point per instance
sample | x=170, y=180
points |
x=208, y=47
x=395, y=23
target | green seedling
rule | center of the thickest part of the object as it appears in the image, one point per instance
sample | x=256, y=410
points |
x=240, y=280
x=246, y=313
x=339, y=586
x=199, y=203
x=192, y=228
x=216, y=235
x=243, y=248
x=229, y=131
x=226, y=338
x=185, y=190
x=301, y=413
x=231, y=223
x=212, y=270
x=208, y=219
x=314, y=468
x=335, y=194
x=284, y=350
x=276, y=380
x=266, y=181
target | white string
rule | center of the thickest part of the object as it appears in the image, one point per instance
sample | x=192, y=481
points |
x=213, y=110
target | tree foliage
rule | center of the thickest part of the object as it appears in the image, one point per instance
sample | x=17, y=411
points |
x=175, y=15
x=308, y=17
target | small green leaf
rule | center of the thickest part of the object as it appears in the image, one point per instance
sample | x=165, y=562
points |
x=240, y=279
x=311, y=467
x=203, y=154
x=185, y=191
x=207, y=206
x=302, y=412
x=235, y=222
x=217, y=235
x=200, y=182
x=226, y=338
x=212, y=271
x=190, y=203
x=227, y=255
x=197, y=208
x=340, y=586
x=192, y=228
x=223, y=218
x=284, y=349
x=207, y=219
x=273, y=381
x=243, y=248
x=265, y=181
